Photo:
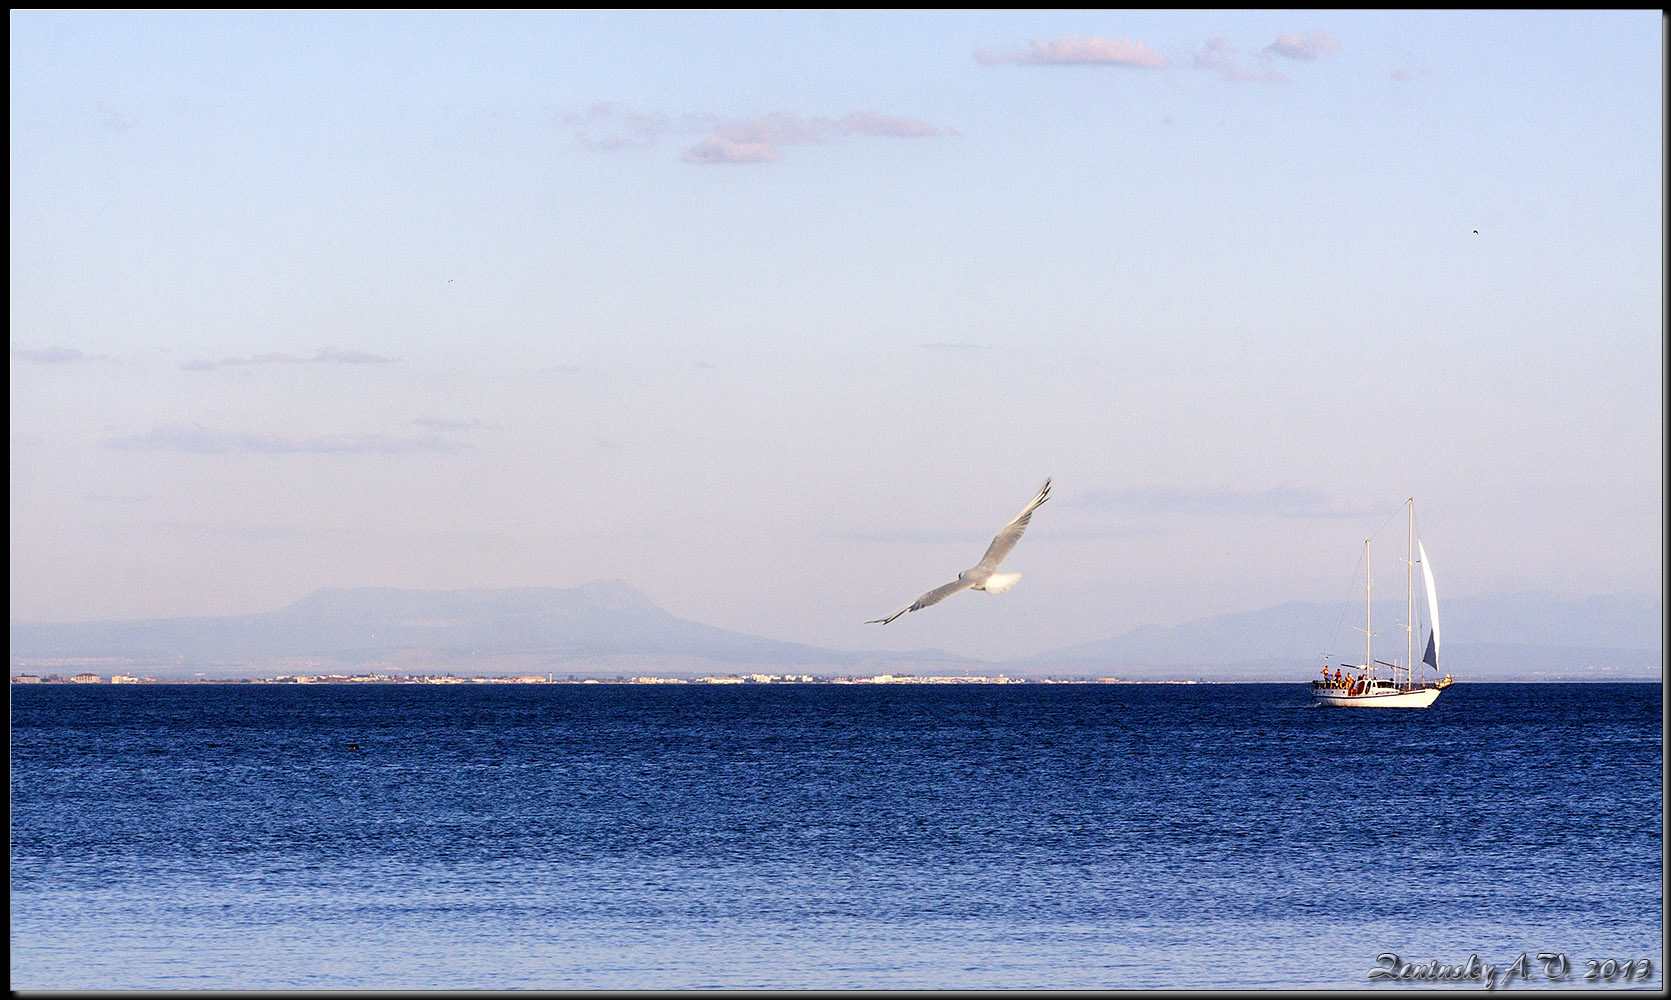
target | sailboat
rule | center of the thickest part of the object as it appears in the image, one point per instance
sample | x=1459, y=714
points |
x=1363, y=685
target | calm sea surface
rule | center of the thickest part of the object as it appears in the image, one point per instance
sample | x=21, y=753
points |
x=824, y=836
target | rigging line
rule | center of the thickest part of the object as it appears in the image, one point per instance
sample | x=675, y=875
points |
x=1346, y=602
x=1351, y=586
x=1377, y=532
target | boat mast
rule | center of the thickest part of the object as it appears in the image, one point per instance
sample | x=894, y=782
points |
x=1410, y=601
x=1368, y=664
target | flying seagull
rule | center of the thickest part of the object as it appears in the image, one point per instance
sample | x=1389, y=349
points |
x=984, y=575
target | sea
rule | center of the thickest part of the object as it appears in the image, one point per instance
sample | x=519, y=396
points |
x=826, y=836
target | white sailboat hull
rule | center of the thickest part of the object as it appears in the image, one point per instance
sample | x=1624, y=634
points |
x=1412, y=698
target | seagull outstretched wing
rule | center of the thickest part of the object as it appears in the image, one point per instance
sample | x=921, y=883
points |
x=934, y=596
x=985, y=572
x=1006, y=539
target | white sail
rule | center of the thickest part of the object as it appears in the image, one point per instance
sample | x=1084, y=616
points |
x=1432, y=596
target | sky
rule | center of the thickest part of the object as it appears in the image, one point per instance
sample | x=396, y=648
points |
x=779, y=317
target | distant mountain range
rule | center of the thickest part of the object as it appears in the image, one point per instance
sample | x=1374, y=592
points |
x=608, y=628
x=601, y=628
x=1526, y=636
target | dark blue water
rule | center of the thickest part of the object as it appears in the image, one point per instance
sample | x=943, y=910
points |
x=823, y=836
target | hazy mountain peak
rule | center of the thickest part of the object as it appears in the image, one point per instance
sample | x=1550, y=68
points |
x=617, y=595
x=475, y=603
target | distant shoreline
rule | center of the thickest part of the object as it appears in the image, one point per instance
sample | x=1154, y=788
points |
x=449, y=679
x=29, y=680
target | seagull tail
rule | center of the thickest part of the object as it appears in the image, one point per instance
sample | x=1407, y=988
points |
x=997, y=583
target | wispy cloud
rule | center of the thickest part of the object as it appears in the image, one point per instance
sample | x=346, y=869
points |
x=326, y=355
x=447, y=424
x=603, y=126
x=112, y=119
x=1218, y=55
x=1222, y=58
x=719, y=149
x=119, y=498
x=348, y=356
x=758, y=139
x=968, y=536
x=951, y=346
x=1408, y=68
x=1279, y=501
x=53, y=355
x=201, y=441
x=1305, y=47
x=258, y=532
x=1071, y=50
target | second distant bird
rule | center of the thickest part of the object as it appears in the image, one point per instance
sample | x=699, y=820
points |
x=984, y=575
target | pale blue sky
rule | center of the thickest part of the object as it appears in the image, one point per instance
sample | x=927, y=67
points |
x=778, y=317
